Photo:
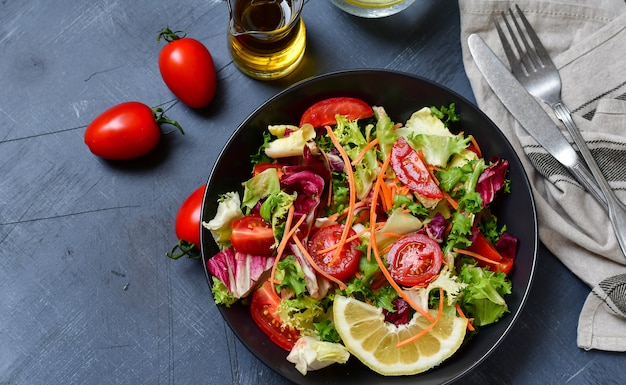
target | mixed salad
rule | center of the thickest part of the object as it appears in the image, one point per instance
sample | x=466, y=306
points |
x=350, y=203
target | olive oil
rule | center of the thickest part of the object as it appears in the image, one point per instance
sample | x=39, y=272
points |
x=267, y=38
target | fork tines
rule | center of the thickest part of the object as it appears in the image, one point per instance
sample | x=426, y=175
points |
x=527, y=57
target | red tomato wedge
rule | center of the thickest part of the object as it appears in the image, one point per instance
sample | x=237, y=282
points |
x=415, y=260
x=411, y=170
x=323, y=112
x=263, y=309
x=493, y=259
x=347, y=263
x=252, y=235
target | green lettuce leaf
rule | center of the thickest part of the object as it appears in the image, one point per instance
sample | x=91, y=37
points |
x=353, y=141
x=259, y=187
x=482, y=298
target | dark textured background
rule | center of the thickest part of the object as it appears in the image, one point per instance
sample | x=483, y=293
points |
x=87, y=295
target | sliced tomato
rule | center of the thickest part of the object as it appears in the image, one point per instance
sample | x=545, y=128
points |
x=492, y=258
x=411, y=170
x=347, y=262
x=415, y=260
x=323, y=112
x=252, y=235
x=263, y=309
x=260, y=167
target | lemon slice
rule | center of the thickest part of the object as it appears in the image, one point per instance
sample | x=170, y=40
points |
x=367, y=336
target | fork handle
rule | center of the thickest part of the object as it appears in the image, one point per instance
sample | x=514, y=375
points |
x=616, y=208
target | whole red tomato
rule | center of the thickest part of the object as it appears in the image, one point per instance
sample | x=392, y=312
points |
x=187, y=69
x=187, y=225
x=125, y=131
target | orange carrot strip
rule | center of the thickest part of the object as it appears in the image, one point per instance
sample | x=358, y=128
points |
x=387, y=196
x=375, y=250
x=304, y=251
x=335, y=217
x=427, y=328
x=470, y=327
x=476, y=146
x=454, y=204
x=348, y=240
x=352, y=195
x=289, y=231
x=475, y=255
x=365, y=149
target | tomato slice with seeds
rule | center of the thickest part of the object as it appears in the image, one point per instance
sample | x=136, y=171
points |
x=263, y=309
x=411, y=170
x=323, y=112
x=415, y=260
x=252, y=235
x=347, y=263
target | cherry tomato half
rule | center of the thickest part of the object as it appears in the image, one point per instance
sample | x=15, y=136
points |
x=415, y=260
x=252, y=235
x=483, y=247
x=263, y=309
x=188, y=217
x=323, y=112
x=347, y=262
x=187, y=69
x=125, y=131
x=411, y=170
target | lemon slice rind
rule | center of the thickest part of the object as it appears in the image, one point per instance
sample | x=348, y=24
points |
x=368, y=337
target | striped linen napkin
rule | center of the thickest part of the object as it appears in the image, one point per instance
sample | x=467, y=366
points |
x=587, y=41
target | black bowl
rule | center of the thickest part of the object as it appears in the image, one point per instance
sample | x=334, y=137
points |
x=401, y=94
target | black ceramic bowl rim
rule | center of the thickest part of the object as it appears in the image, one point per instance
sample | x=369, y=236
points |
x=394, y=91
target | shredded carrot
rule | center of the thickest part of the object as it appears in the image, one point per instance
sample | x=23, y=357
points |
x=283, y=243
x=348, y=240
x=336, y=216
x=376, y=252
x=454, y=204
x=427, y=328
x=352, y=193
x=387, y=195
x=365, y=149
x=475, y=255
x=476, y=146
x=304, y=251
x=289, y=231
x=470, y=327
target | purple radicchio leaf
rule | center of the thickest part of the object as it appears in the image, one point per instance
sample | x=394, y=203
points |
x=436, y=228
x=507, y=245
x=401, y=315
x=309, y=188
x=238, y=271
x=492, y=180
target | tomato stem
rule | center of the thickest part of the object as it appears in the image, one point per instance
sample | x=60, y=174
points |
x=184, y=248
x=170, y=35
x=159, y=116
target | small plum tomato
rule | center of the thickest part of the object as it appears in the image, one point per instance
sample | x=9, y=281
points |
x=187, y=69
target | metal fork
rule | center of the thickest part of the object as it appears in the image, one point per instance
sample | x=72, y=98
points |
x=534, y=69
